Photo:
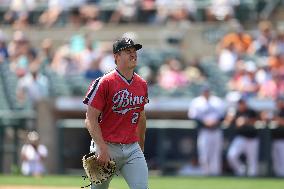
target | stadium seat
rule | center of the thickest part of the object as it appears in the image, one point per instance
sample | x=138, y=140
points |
x=216, y=78
x=78, y=84
x=58, y=85
x=9, y=83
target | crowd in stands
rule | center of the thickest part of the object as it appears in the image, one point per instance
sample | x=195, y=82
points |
x=96, y=13
x=254, y=63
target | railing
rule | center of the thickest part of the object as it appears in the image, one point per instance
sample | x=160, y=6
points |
x=159, y=133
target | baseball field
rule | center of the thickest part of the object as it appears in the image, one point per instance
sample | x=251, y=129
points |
x=75, y=182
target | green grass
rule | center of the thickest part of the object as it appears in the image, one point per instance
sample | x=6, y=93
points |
x=154, y=182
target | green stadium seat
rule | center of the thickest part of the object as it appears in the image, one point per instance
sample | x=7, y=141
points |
x=9, y=82
x=216, y=78
x=4, y=105
x=58, y=85
x=78, y=84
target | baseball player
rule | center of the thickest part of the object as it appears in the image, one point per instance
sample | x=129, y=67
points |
x=277, y=136
x=208, y=110
x=116, y=118
x=246, y=140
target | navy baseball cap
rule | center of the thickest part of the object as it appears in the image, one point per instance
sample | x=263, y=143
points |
x=243, y=99
x=205, y=88
x=125, y=43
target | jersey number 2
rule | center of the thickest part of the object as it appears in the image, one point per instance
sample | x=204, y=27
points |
x=134, y=118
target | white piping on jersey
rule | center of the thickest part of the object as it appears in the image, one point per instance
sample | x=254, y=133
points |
x=95, y=92
x=123, y=78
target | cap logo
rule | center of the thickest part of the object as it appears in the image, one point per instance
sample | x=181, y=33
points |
x=128, y=41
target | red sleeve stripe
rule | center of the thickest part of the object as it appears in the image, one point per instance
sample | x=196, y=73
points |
x=92, y=92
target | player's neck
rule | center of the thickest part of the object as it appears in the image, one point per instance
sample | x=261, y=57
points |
x=127, y=74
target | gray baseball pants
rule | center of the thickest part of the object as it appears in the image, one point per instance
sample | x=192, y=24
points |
x=130, y=162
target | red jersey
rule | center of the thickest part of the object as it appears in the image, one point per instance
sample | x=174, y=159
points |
x=120, y=102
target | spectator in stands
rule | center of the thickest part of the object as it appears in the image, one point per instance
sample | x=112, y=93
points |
x=175, y=10
x=46, y=54
x=171, y=75
x=208, y=110
x=64, y=62
x=94, y=72
x=235, y=80
x=221, y=10
x=18, y=13
x=276, y=46
x=90, y=61
x=246, y=141
x=162, y=11
x=275, y=62
x=272, y=88
x=87, y=53
x=243, y=80
x=147, y=11
x=238, y=38
x=228, y=58
x=277, y=135
x=263, y=74
x=4, y=55
x=107, y=60
x=125, y=12
x=75, y=18
x=33, y=87
x=193, y=72
x=182, y=10
x=78, y=11
x=33, y=154
x=18, y=45
x=276, y=53
x=51, y=15
x=90, y=16
x=18, y=50
x=260, y=45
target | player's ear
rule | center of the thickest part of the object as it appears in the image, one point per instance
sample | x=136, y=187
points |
x=116, y=56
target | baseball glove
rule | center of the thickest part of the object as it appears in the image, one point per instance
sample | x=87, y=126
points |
x=95, y=172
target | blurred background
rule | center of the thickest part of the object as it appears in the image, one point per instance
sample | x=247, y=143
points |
x=51, y=50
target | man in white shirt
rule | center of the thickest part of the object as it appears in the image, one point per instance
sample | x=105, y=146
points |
x=33, y=87
x=32, y=154
x=208, y=111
